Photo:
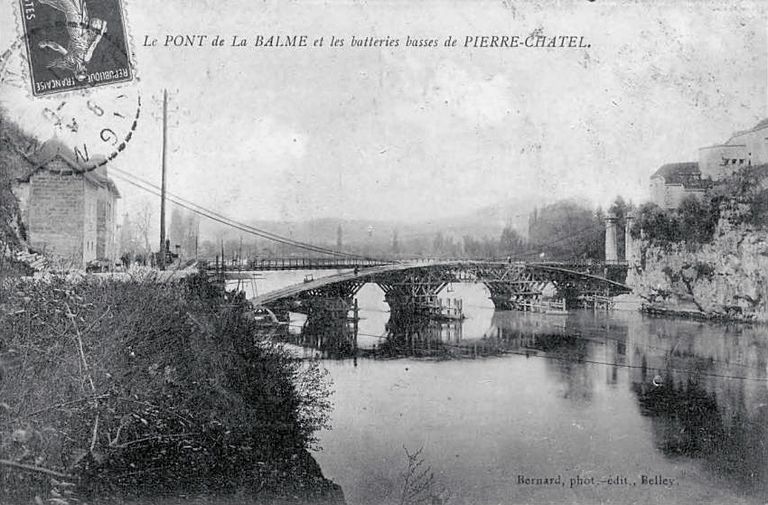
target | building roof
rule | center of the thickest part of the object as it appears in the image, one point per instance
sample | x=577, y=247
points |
x=759, y=126
x=720, y=146
x=762, y=124
x=55, y=148
x=678, y=173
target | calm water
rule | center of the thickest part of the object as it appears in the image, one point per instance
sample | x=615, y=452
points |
x=506, y=395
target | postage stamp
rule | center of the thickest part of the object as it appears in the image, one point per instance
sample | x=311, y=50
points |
x=75, y=44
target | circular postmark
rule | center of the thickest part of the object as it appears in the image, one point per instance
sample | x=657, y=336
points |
x=86, y=127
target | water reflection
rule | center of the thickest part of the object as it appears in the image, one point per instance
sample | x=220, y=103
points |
x=508, y=393
x=700, y=388
x=705, y=392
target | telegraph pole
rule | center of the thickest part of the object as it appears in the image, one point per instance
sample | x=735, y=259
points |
x=162, y=189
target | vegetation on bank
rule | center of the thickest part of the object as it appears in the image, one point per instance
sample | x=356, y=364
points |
x=738, y=200
x=12, y=142
x=137, y=387
x=708, y=257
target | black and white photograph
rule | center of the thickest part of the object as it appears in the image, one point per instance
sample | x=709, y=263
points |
x=364, y=252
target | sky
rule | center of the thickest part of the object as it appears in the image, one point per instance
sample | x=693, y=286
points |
x=412, y=134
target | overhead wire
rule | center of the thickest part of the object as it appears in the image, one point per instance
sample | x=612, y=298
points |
x=220, y=218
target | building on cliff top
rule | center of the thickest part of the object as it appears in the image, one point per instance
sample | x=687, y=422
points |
x=674, y=182
x=68, y=208
x=744, y=148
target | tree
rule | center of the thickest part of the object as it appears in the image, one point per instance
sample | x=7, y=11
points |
x=395, y=243
x=697, y=221
x=510, y=242
x=14, y=144
x=143, y=225
x=656, y=225
x=438, y=245
x=566, y=230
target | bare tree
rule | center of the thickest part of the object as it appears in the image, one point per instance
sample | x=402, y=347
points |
x=143, y=225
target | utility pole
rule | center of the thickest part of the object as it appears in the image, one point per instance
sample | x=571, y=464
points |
x=162, y=189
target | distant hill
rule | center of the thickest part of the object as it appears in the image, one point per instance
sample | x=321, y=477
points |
x=360, y=235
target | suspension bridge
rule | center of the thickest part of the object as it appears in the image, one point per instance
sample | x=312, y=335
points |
x=413, y=285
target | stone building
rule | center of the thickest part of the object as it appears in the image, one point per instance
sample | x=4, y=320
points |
x=744, y=148
x=68, y=210
x=674, y=182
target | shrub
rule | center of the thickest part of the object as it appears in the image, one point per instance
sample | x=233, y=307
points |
x=145, y=386
x=694, y=222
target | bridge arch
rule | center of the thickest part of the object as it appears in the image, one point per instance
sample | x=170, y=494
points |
x=411, y=283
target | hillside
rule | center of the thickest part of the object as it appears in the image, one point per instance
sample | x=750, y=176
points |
x=362, y=235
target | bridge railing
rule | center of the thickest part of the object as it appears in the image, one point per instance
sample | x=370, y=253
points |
x=315, y=263
x=585, y=262
x=293, y=263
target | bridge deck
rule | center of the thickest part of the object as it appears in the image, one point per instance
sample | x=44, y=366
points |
x=295, y=289
x=363, y=274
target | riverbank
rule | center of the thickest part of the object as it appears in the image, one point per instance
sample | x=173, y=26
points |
x=134, y=389
x=696, y=315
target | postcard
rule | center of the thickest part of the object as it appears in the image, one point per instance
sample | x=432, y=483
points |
x=383, y=252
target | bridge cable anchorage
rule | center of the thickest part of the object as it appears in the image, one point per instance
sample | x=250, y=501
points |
x=215, y=216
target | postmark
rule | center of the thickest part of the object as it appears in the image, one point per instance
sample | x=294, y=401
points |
x=75, y=44
x=90, y=127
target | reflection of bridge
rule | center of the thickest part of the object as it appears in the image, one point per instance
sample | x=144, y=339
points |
x=413, y=286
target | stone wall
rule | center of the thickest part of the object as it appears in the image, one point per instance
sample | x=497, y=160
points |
x=90, y=223
x=755, y=142
x=669, y=196
x=105, y=225
x=721, y=161
x=55, y=215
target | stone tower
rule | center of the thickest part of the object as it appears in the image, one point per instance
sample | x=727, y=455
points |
x=611, y=248
x=628, y=244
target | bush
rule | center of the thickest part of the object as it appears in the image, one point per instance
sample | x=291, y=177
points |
x=694, y=222
x=146, y=387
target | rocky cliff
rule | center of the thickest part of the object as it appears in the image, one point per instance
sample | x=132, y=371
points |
x=726, y=277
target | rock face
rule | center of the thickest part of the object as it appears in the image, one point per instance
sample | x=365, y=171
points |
x=728, y=276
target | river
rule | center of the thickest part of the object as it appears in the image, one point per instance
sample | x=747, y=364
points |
x=510, y=407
